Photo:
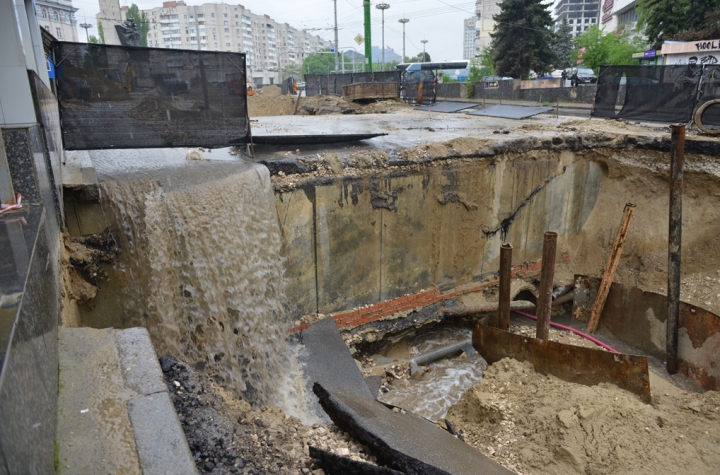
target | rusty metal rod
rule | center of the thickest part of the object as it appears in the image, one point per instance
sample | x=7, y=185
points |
x=504, y=294
x=547, y=274
x=677, y=149
x=610, y=268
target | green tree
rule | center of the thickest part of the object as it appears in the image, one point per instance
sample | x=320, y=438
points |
x=418, y=58
x=697, y=13
x=142, y=22
x=293, y=70
x=605, y=48
x=93, y=39
x=319, y=63
x=522, y=38
x=487, y=63
x=390, y=66
x=101, y=33
x=661, y=19
x=708, y=30
x=563, y=45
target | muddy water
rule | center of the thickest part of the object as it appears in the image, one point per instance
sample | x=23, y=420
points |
x=445, y=381
x=200, y=267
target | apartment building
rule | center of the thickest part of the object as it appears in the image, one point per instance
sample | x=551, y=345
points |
x=470, y=36
x=269, y=45
x=58, y=18
x=580, y=14
x=485, y=9
x=621, y=16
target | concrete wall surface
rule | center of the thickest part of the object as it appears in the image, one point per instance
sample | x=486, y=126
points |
x=363, y=240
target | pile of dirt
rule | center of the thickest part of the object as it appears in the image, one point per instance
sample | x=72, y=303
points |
x=226, y=435
x=81, y=259
x=539, y=424
x=327, y=105
x=270, y=101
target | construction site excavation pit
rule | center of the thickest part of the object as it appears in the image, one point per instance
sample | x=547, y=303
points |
x=260, y=280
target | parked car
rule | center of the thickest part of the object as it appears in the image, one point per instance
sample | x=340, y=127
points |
x=581, y=76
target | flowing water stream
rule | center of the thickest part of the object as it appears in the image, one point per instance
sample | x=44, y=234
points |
x=200, y=267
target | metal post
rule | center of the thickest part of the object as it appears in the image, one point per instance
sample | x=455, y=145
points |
x=424, y=42
x=610, y=268
x=382, y=7
x=504, y=295
x=368, y=36
x=677, y=149
x=403, y=21
x=547, y=274
x=336, y=39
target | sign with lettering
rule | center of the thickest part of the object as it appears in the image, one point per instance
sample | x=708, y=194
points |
x=696, y=47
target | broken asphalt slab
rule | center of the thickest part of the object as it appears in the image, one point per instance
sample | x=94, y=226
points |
x=334, y=463
x=403, y=441
x=326, y=360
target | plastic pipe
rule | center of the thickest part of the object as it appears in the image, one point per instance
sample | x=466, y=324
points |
x=570, y=329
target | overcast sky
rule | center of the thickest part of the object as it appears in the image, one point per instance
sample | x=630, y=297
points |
x=438, y=21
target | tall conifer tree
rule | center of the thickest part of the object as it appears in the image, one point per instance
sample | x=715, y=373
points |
x=522, y=39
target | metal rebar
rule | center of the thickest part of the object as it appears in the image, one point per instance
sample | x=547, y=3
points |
x=610, y=268
x=504, y=294
x=677, y=148
x=547, y=274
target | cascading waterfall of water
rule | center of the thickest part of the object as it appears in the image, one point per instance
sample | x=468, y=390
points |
x=201, y=269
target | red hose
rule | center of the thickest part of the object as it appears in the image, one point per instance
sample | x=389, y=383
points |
x=577, y=332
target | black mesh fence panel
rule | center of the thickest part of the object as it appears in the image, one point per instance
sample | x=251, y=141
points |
x=419, y=92
x=710, y=91
x=652, y=93
x=333, y=83
x=130, y=97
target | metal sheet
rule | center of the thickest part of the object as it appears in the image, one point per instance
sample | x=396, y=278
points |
x=510, y=112
x=638, y=318
x=310, y=139
x=574, y=364
x=447, y=106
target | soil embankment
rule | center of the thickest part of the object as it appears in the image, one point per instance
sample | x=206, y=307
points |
x=537, y=424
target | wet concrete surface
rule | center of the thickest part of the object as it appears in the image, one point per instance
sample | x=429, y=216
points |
x=404, y=441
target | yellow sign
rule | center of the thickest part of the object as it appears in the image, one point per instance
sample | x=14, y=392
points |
x=359, y=39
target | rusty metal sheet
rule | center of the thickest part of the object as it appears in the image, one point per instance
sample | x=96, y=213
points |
x=638, y=318
x=570, y=363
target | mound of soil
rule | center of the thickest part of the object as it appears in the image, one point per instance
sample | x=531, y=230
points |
x=327, y=105
x=270, y=101
x=539, y=424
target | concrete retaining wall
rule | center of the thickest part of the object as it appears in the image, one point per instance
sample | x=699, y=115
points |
x=358, y=242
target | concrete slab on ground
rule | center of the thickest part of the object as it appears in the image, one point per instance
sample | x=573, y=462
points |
x=403, y=441
x=447, y=106
x=510, y=112
x=110, y=385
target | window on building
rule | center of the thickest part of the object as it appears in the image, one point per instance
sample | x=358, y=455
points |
x=185, y=17
x=227, y=30
x=587, y=20
x=628, y=17
x=225, y=14
x=227, y=45
x=213, y=22
x=58, y=32
x=54, y=16
x=212, y=15
x=43, y=13
x=225, y=23
x=592, y=20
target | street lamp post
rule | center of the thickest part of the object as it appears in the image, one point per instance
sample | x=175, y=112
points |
x=86, y=26
x=382, y=7
x=403, y=21
x=424, y=42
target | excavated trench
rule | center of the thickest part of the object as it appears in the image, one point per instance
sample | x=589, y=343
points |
x=221, y=261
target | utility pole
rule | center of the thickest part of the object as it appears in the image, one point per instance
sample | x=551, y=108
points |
x=368, y=36
x=382, y=7
x=86, y=26
x=336, y=39
x=403, y=21
x=424, y=42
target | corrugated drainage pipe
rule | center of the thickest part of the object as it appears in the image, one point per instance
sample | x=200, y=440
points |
x=570, y=329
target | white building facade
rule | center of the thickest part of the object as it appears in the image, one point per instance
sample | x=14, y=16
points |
x=621, y=16
x=470, y=34
x=580, y=14
x=269, y=45
x=485, y=9
x=58, y=18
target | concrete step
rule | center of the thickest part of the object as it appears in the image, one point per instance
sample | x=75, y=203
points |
x=114, y=412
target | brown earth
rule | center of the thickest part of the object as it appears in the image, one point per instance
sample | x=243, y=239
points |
x=325, y=105
x=270, y=101
x=535, y=424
